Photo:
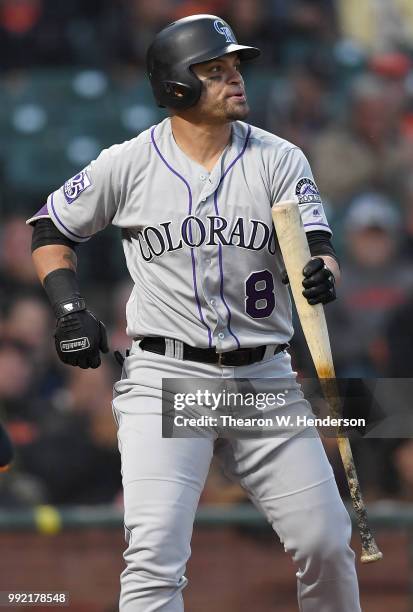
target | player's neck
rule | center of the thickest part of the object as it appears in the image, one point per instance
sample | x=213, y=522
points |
x=200, y=142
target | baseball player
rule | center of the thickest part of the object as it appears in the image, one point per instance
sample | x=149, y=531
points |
x=193, y=197
x=6, y=450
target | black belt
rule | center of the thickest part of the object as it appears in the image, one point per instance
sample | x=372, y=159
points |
x=239, y=357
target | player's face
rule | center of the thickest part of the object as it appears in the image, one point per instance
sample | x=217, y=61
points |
x=223, y=96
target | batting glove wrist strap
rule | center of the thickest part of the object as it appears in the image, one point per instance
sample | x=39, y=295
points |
x=75, y=305
x=63, y=292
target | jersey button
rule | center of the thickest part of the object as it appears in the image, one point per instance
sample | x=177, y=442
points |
x=221, y=335
x=212, y=302
x=203, y=200
x=202, y=177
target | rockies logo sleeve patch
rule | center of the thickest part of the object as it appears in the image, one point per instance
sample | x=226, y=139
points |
x=307, y=191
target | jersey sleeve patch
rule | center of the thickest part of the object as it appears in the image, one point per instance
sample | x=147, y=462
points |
x=75, y=186
x=307, y=192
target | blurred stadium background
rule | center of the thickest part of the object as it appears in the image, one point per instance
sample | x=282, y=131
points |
x=336, y=78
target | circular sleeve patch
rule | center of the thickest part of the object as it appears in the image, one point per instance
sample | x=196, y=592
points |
x=307, y=191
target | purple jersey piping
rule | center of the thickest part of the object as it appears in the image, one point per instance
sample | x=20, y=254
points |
x=63, y=225
x=42, y=211
x=323, y=224
x=201, y=316
x=221, y=268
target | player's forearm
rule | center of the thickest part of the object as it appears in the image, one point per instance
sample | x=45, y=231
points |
x=52, y=257
x=79, y=337
x=321, y=247
x=332, y=265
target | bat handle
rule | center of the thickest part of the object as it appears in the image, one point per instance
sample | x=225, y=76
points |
x=369, y=550
x=369, y=556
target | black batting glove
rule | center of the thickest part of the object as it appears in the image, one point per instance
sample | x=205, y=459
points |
x=318, y=283
x=80, y=338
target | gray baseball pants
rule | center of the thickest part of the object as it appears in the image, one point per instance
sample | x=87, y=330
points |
x=289, y=480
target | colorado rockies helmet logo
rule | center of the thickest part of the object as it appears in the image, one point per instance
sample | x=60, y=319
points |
x=223, y=29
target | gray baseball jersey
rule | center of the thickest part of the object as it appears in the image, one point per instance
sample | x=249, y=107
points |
x=200, y=247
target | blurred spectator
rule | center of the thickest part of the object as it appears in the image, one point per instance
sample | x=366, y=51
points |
x=19, y=31
x=307, y=31
x=307, y=17
x=300, y=106
x=375, y=280
x=75, y=456
x=80, y=383
x=367, y=151
x=367, y=455
x=407, y=209
x=30, y=323
x=22, y=411
x=17, y=274
x=398, y=332
x=29, y=35
x=183, y=8
x=393, y=70
x=16, y=406
x=377, y=25
x=16, y=372
x=254, y=24
x=45, y=33
x=314, y=18
x=403, y=463
x=21, y=404
x=130, y=26
x=397, y=469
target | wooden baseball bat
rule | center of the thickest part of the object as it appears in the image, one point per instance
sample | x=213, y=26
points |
x=296, y=253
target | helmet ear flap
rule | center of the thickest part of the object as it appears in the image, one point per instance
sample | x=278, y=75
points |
x=181, y=95
x=178, y=90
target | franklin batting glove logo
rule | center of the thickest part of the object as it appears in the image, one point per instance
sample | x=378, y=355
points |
x=77, y=344
x=224, y=30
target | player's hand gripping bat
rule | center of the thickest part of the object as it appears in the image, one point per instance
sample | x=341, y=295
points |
x=296, y=253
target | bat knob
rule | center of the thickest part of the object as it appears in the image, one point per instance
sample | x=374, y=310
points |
x=370, y=557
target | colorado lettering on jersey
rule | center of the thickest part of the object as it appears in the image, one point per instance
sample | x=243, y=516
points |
x=193, y=232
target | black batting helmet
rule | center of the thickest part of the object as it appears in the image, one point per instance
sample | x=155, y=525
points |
x=181, y=44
